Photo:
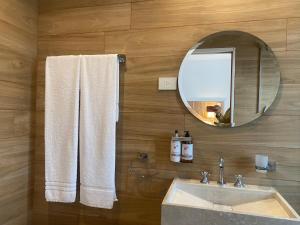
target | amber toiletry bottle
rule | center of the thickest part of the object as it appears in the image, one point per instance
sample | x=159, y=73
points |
x=187, y=155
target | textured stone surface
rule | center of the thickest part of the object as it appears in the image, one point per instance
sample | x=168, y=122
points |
x=188, y=202
x=179, y=215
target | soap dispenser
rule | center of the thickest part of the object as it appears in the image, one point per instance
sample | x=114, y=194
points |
x=187, y=154
x=175, y=151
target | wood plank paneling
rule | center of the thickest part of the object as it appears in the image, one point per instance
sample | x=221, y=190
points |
x=167, y=13
x=293, y=34
x=13, y=206
x=205, y=155
x=15, y=68
x=18, y=40
x=22, y=14
x=149, y=126
x=15, y=96
x=15, y=144
x=140, y=93
x=50, y=5
x=270, y=131
x=290, y=67
x=176, y=41
x=18, y=49
x=155, y=36
x=287, y=101
x=14, y=123
x=87, y=19
x=72, y=44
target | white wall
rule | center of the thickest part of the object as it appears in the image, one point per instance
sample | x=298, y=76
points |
x=206, y=77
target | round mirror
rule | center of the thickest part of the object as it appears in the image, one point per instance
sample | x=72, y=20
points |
x=229, y=79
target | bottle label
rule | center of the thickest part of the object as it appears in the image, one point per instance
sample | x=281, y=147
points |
x=187, y=151
x=175, y=151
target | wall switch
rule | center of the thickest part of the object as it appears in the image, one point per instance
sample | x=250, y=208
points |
x=167, y=83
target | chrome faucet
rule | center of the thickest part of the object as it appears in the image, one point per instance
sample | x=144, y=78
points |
x=221, y=180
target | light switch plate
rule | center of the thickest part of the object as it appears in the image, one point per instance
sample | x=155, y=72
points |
x=167, y=83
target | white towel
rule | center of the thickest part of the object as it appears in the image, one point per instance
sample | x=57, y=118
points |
x=98, y=115
x=61, y=127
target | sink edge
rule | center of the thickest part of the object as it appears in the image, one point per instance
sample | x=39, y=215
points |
x=286, y=205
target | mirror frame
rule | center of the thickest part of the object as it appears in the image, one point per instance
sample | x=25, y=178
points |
x=232, y=51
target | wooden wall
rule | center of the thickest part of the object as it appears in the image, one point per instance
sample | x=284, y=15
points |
x=18, y=35
x=155, y=34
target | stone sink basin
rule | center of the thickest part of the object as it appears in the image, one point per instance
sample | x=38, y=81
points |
x=188, y=202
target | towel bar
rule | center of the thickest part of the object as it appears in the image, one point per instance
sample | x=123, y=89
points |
x=122, y=58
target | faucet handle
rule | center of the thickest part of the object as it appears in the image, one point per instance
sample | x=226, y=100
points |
x=221, y=162
x=205, y=176
x=239, y=181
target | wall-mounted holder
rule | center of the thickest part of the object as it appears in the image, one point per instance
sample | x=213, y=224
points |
x=187, y=139
x=142, y=156
x=264, y=165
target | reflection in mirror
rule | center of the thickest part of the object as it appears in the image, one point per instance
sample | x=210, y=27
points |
x=229, y=79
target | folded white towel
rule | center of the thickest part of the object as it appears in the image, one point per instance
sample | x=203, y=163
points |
x=61, y=127
x=98, y=115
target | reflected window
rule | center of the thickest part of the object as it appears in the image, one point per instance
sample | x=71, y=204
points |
x=207, y=87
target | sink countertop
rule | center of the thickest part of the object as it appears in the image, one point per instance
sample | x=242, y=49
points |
x=253, y=200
